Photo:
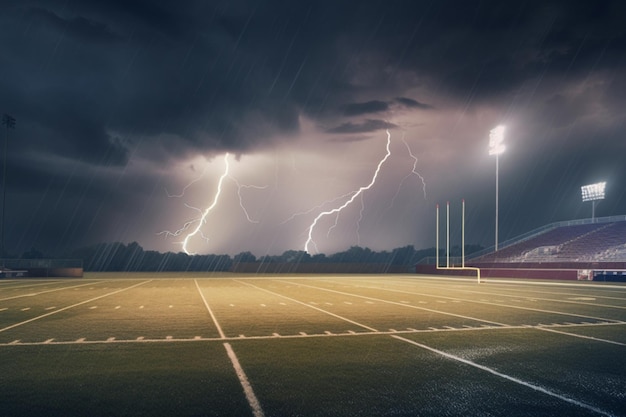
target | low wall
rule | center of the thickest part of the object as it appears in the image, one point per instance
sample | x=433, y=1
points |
x=55, y=272
x=563, y=271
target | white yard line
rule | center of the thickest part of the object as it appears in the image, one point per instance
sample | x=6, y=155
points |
x=556, y=300
x=257, y=411
x=400, y=304
x=72, y=306
x=597, y=339
x=507, y=377
x=47, y=291
x=206, y=304
x=310, y=306
x=490, y=303
x=247, y=388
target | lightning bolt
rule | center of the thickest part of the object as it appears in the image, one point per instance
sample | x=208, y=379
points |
x=413, y=172
x=239, y=187
x=203, y=214
x=310, y=242
x=186, y=186
x=206, y=211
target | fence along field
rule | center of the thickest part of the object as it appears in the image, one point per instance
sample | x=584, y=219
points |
x=146, y=344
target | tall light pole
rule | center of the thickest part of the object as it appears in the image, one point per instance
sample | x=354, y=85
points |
x=496, y=136
x=593, y=193
x=9, y=122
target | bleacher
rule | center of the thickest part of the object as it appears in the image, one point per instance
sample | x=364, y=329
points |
x=587, y=249
x=600, y=241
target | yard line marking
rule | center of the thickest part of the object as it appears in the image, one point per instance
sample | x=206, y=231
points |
x=25, y=309
x=44, y=292
x=483, y=301
x=15, y=342
x=48, y=341
x=399, y=304
x=505, y=376
x=243, y=379
x=301, y=335
x=206, y=304
x=309, y=306
x=2, y=309
x=597, y=339
x=118, y=307
x=93, y=307
x=71, y=306
x=572, y=300
x=50, y=308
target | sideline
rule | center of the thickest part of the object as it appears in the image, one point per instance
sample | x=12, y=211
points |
x=507, y=377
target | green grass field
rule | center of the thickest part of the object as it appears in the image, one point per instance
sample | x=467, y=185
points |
x=323, y=345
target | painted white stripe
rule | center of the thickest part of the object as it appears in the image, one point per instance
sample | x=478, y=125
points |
x=580, y=336
x=206, y=304
x=243, y=379
x=309, y=306
x=499, y=303
x=505, y=376
x=44, y=292
x=71, y=306
x=396, y=303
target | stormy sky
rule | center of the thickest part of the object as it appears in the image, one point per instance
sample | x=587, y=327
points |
x=128, y=114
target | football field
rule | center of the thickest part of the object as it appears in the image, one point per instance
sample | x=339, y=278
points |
x=141, y=344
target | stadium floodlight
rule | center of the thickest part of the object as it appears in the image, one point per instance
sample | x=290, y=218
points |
x=496, y=137
x=593, y=193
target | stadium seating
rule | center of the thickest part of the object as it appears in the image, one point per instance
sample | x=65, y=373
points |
x=594, y=242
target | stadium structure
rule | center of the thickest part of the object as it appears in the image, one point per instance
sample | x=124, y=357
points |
x=588, y=249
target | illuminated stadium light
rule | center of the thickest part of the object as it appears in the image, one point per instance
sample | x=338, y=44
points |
x=593, y=193
x=496, y=136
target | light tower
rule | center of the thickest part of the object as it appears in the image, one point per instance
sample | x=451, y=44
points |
x=593, y=193
x=496, y=136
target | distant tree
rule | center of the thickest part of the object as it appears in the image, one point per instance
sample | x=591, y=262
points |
x=295, y=256
x=244, y=257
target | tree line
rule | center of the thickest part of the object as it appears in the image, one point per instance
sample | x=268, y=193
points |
x=130, y=257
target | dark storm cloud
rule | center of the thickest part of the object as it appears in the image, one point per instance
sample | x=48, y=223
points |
x=235, y=75
x=90, y=82
x=369, y=125
x=356, y=109
x=412, y=104
x=79, y=27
